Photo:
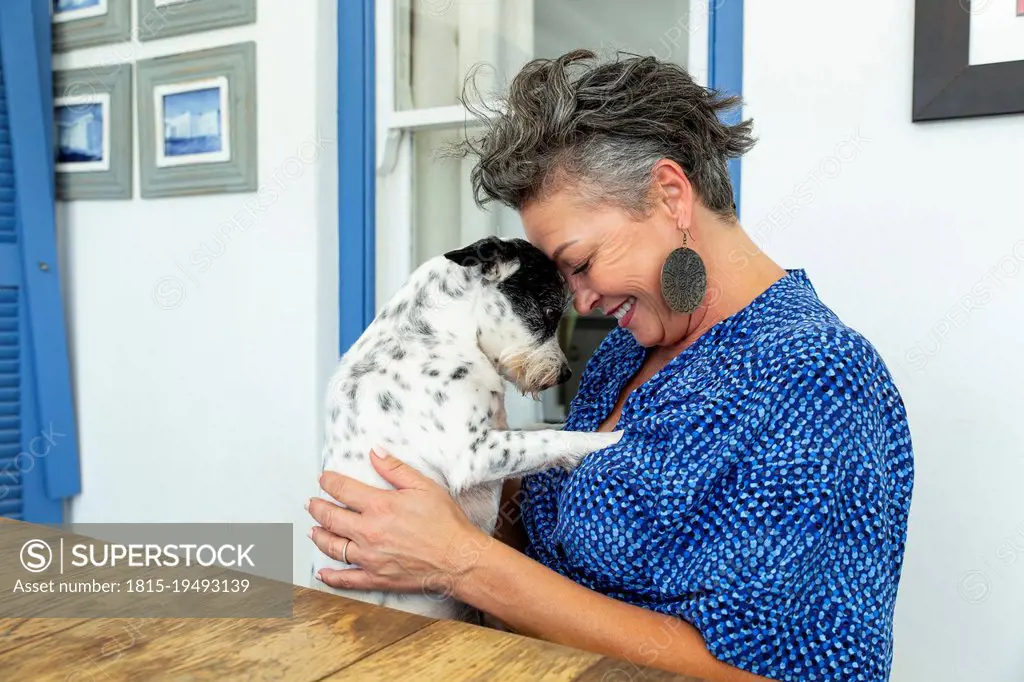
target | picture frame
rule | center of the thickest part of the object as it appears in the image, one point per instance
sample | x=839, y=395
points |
x=87, y=23
x=93, y=133
x=946, y=84
x=197, y=122
x=165, y=18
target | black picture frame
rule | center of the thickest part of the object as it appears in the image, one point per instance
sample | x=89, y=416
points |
x=946, y=85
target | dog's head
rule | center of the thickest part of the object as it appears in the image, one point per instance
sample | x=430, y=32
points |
x=524, y=297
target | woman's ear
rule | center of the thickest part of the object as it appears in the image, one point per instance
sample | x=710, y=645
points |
x=674, y=192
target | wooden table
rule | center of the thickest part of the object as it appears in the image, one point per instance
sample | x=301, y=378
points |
x=328, y=638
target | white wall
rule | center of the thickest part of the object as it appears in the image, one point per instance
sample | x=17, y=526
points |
x=200, y=349
x=913, y=234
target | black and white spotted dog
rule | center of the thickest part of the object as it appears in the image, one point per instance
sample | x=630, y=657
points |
x=426, y=381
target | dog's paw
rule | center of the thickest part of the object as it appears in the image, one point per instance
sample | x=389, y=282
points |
x=599, y=440
x=613, y=437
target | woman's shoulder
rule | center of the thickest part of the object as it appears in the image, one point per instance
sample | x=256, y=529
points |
x=815, y=344
x=818, y=341
x=818, y=363
x=787, y=323
x=789, y=326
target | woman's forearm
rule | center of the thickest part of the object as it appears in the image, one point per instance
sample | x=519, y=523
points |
x=536, y=601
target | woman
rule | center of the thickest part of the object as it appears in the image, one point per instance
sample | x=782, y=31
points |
x=751, y=522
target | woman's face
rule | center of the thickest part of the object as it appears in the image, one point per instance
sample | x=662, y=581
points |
x=612, y=261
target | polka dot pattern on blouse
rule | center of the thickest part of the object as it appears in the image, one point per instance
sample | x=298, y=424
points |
x=760, y=491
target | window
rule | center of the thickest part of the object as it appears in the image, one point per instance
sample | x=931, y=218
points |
x=425, y=48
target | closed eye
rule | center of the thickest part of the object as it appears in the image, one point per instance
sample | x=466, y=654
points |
x=582, y=267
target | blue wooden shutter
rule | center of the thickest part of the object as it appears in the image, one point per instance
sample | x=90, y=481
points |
x=39, y=465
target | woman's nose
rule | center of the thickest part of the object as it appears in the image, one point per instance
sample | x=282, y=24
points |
x=584, y=300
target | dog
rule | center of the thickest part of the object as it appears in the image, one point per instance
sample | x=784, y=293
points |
x=426, y=381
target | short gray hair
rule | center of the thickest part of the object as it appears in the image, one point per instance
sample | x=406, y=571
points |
x=602, y=131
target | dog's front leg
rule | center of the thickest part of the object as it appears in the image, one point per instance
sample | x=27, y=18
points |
x=500, y=455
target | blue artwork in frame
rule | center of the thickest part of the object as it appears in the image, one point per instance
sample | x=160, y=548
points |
x=83, y=132
x=192, y=122
x=80, y=133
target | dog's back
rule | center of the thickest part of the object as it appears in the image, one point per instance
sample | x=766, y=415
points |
x=413, y=371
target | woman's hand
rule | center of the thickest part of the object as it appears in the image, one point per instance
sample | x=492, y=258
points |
x=411, y=539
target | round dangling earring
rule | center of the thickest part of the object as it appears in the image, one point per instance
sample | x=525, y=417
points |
x=684, y=279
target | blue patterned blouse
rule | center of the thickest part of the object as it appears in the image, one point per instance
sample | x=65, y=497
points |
x=760, y=491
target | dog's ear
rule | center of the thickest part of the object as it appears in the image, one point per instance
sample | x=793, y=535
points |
x=495, y=257
x=466, y=256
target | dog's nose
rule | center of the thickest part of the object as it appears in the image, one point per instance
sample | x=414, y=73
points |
x=564, y=374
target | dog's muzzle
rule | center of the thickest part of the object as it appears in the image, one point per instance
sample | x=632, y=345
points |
x=564, y=374
x=537, y=369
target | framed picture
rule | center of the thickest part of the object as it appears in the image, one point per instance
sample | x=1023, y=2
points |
x=197, y=122
x=165, y=18
x=93, y=137
x=960, y=75
x=85, y=23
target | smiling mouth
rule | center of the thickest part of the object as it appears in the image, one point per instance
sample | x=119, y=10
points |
x=620, y=311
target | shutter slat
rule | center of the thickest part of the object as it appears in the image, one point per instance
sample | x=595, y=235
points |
x=12, y=502
x=10, y=474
